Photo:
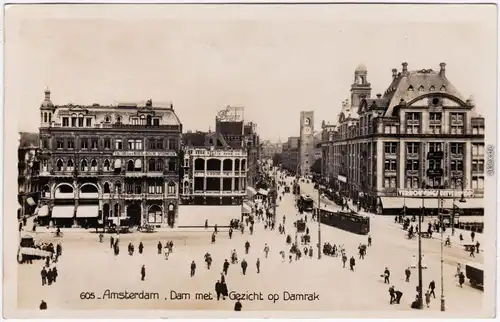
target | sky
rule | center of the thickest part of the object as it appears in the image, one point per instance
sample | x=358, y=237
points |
x=274, y=60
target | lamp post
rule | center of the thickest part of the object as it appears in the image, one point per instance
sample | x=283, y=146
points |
x=319, y=223
x=420, y=283
x=440, y=201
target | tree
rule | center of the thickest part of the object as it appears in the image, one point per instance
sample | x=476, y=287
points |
x=277, y=159
x=316, y=167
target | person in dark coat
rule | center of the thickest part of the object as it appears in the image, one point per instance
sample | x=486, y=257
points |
x=244, y=266
x=230, y=233
x=43, y=305
x=218, y=290
x=225, y=266
x=206, y=223
x=143, y=273
x=352, y=263
x=477, y=247
x=238, y=306
x=392, y=295
x=258, y=265
x=247, y=247
x=387, y=274
x=43, y=274
x=58, y=249
x=213, y=237
x=399, y=295
x=432, y=287
x=344, y=260
x=193, y=268
x=407, y=274
x=54, y=274
x=222, y=278
x=50, y=276
x=159, y=247
x=461, y=279
x=215, y=228
x=141, y=247
x=111, y=242
x=224, y=291
x=472, y=235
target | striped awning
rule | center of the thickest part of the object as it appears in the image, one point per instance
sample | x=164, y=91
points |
x=246, y=209
x=63, y=211
x=43, y=211
x=118, y=163
x=251, y=191
x=31, y=202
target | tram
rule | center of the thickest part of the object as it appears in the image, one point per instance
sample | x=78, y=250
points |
x=348, y=221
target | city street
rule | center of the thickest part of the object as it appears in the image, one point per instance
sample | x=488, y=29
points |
x=89, y=266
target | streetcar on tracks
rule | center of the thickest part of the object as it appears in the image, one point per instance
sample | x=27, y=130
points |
x=305, y=203
x=348, y=221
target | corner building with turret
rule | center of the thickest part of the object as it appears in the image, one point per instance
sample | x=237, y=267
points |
x=420, y=143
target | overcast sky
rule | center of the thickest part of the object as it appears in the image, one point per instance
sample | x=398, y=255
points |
x=274, y=60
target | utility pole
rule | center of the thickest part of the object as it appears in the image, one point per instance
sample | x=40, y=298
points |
x=318, y=218
x=275, y=195
x=443, y=306
x=420, y=283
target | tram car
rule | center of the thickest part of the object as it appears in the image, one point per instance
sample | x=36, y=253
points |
x=348, y=221
x=305, y=203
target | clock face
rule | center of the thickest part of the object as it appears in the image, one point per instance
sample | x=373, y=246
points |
x=307, y=130
x=306, y=121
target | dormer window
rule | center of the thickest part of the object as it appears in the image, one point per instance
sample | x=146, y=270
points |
x=118, y=119
x=107, y=119
x=421, y=88
x=443, y=88
x=432, y=88
x=410, y=89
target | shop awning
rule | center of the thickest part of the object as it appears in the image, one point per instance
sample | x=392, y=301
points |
x=43, y=211
x=87, y=211
x=251, y=191
x=413, y=203
x=471, y=219
x=246, y=209
x=138, y=164
x=263, y=192
x=118, y=163
x=63, y=211
x=31, y=202
x=471, y=203
x=116, y=220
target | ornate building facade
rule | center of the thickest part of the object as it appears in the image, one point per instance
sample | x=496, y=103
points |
x=110, y=163
x=307, y=147
x=291, y=155
x=419, y=139
x=27, y=178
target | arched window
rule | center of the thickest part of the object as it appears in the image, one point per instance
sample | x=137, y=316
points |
x=59, y=165
x=118, y=187
x=118, y=119
x=107, y=119
x=143, y=120
x=45, y=117
x=106, y=165
x=432, y=88
x=137, y=188
x=93, y=165
x=50, y=117
x=151, y=165
x=84, y=165
x=243, y=165
x=443, y=88
x=421, y=88
x=70, y=165
x=106, y=187
x=159, y=165
x=172, y=164
x=410, y=89
x=130, y=165
x=237, y=164
x=171, y=188
x=148, y=120
x=199, y=165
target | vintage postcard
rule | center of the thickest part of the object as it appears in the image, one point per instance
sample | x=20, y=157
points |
x=205, y=160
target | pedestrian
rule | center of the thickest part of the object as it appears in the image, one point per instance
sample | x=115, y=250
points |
x=206, y=223
x=160, y=247
x=427, y=298
x=213, y=237
x=54, y=274
x=472, y=250
x=258, y=265
x=215, y=228
x=101, y=237
x=141, y=247
x=344, y=260
x=43, y=305
x=461, y=279
x=225, y=267
x=407, y=273
x=461, y=237
x=352, y=262
x=111, y=242
x=143, y=272
x=477, y=247
x=222, y=278
x=193, y=268
x=399, y=294
x=266, y=250
x=50, y=276
x=432, y=287
x=230, y=233
x=218, y=290
x=392, y=295
x=244, y=266
x=369, y=240
x=472, y=235
x=247, y=247
x=238, y=306
x=43, y=274
x=387, y=274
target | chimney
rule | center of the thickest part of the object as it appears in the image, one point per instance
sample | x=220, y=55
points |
x=394, y=73
x=379, y=95
x=405, y=67
x=442, y=69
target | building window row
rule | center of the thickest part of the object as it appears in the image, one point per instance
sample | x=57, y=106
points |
x=93, y=143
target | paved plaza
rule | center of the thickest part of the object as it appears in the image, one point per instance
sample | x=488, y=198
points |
x=89, y=266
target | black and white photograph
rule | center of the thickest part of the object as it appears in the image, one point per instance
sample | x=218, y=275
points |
x=250, y=160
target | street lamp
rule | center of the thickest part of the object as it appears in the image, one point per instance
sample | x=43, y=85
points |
x=420, y=283
x=319, y=223
x=441, y=201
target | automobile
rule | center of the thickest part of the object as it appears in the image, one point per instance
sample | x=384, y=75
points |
x=474, y=272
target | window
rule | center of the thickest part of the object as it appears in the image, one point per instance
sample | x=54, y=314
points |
x=457, y=117
x=457, y=148
x=457, y=123
x=435, y=147
x=412, y=182
x=94, y=143
x=73, y=121
x=134, y=121
x=118, y=144
x=106, y=165
x=70, y=143
x=478, y=149
x=458, y=165
x=106, y=188
x=118, y=119
x=412, y=148
x=390, y=182
x=70, y=166
x=107, y=119
x=477, y=165
x=432, y=89
x=171, y=188
x=138, y=144
x=60, y=143
x=107, y=143
x=156, y=122
x=59, y=165
x=45, y=117
x=65, y=121
x=435, y=128
x=131, y=144
x=412, y=123
x=434, y=164
x=151, y=144
x=390, y=129
x=412, y=165
x=93, y=165
x=435, y=117
x=89, y=122
x=390, y=165
x=84, y=165
x=80, y=121
x=390, y=147
x=173, y=144
x=84, y=143
x=159, y=144
x=478, y=182
x=172, y=165
x=151, y=165
x=159, y=165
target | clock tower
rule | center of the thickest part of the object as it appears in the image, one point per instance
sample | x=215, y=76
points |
x=306, y=142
